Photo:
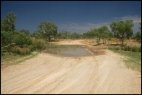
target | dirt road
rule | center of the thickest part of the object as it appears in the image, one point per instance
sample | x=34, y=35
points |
x=46, y=73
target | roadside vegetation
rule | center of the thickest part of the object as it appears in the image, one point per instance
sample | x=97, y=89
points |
x=132, y=59
x=24, y=42
x=15, y=43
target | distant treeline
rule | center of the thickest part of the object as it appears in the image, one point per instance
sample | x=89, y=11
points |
x=23, y=41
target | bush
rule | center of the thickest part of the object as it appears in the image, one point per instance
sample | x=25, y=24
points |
x=21, y=39
x=21, y=50
x=129, y=48
x=126, y=48
x=38, y=44
x=116, y=48
x=6, y=37
x=136, y=49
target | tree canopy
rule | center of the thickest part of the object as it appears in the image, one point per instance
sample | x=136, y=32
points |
x=48, y=29
x=122, y=29
x=8, y=23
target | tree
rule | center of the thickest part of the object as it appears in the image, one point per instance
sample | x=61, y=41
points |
x=21, y=39
x=122, y=29
x=48, y=29
x=137, y=35
x=27, y=32
x=101, y=33
x=89, y=34
x=109, y=36
x=104, y=33
x=7, y=29
x=129, y=30
x=8, y=23
x=37, y=34
x=75, y=35
x=63, y=35
x=6, y=38
x=97, y=33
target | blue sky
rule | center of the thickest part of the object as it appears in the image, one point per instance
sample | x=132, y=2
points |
x=74, y=16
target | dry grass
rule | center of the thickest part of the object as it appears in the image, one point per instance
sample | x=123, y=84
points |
x=21, y=50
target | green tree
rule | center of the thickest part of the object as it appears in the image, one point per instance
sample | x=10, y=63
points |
x=8, y=23
x=63, y=35
x=7, y=29
x=137, y=35
x=122, y=29
x=27, y=32
x=48, y=29
x=101, y=33
x=21, y=39
x=75, y=35
x=96, y=32
x=104, y=33
x=89, y=34
x=6, y=38
x=109, y=36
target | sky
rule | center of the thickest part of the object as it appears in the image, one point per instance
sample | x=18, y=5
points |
x=72, y=16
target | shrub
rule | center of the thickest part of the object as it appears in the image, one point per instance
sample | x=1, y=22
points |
x=136, y=49
x=117, y=48
x=126, y=48
x=38, y=44
x=129, y=48
x=21, y=39
x=6, y=38
x=21, y=50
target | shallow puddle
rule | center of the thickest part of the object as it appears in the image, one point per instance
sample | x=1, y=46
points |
x=69, y=51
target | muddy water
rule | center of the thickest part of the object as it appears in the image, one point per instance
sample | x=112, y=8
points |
x=70, y=51
x=78, y=51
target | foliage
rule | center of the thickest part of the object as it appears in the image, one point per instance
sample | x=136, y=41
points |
x=21, y=39
x=138, y=36
x=37, y=35
x=68, y=35
x=122, y=29
x=38, y=44
x=88, y=34
x=21, y=50
x=6, y=37
x=48, y=29
x=27, y=32
x=64, y=35
x=8, y=23
x=101, y=33
x=132, y=59
x=127, y=48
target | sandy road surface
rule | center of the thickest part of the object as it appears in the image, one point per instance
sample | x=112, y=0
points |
x=46, y=73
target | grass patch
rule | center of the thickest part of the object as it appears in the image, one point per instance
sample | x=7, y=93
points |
x=132, y=59
x=11, y=58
